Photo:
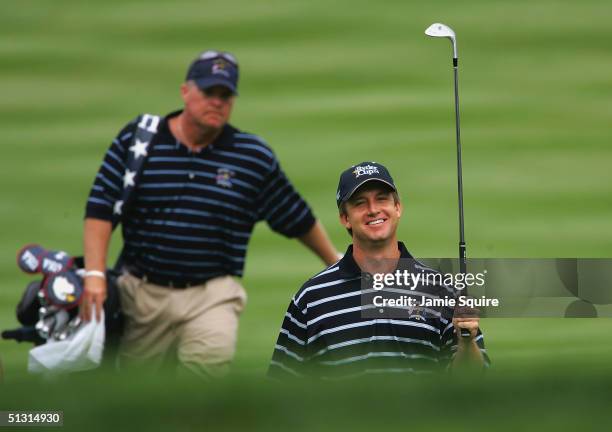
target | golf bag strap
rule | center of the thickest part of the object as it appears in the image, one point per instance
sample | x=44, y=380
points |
x=137, y=153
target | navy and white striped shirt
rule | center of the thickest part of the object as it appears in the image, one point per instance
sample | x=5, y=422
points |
x=194, y=212
x=325, y=334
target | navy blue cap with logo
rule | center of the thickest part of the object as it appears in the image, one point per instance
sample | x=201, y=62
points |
x=213, y=68
x=357, y=175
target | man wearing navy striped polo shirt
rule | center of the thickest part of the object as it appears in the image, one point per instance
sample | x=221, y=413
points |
x=334, y=329
x=203, y=187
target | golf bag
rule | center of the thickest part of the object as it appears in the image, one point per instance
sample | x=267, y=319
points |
x=48, y=309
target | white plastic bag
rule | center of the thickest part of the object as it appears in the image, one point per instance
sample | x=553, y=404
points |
x=82, y=351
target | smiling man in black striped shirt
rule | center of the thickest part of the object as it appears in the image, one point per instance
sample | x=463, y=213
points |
x=332, y=328
x=203, y=186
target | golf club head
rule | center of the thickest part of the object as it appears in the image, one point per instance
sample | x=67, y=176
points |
x=61, y=324
x=440, y=30
x=45, y=326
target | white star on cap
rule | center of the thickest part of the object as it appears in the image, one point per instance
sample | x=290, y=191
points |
x=128, y=178
x=118, y=207
x=139, y=148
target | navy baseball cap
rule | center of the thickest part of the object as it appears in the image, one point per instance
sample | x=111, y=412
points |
x=213, y=68
x=357, y=175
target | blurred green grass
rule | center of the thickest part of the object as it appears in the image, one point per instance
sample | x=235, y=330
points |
x=494, y=402
x=329, y=84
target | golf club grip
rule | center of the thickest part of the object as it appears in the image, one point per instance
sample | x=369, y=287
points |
x=465, y=333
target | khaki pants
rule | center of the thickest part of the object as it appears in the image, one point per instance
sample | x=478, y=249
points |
x=198, y=325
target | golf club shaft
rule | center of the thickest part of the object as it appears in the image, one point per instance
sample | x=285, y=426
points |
x=462, y=251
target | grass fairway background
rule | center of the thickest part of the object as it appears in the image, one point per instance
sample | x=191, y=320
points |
x=329, y=84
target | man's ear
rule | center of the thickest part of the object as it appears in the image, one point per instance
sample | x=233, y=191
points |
x=344, y=221
x=399, y=209
x=184, y=90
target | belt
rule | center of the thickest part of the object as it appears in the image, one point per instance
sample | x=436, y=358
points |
x=170, y=283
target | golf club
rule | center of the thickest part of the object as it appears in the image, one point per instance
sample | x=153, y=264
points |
x=439, y=30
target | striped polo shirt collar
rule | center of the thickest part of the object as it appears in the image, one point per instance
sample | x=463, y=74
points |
x=224, y=139
x=350, y=269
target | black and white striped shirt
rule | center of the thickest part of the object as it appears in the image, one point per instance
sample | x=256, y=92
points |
x=325, y=334
x=194, y=212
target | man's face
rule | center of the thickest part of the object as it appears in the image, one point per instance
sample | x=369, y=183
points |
x=209, y=108
x=372, y=214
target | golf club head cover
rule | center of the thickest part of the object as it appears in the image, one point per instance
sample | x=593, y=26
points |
x=63, y=290
x=34, y=258
x=55, y=262
x=29, y=258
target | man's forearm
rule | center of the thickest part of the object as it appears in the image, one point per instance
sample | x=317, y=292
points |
x=96, y=237
x=317, y=240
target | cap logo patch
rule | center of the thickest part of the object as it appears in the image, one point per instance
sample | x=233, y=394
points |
x=219, y=67
x=365, y=170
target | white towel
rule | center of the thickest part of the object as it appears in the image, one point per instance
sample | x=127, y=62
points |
x=82, y=351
